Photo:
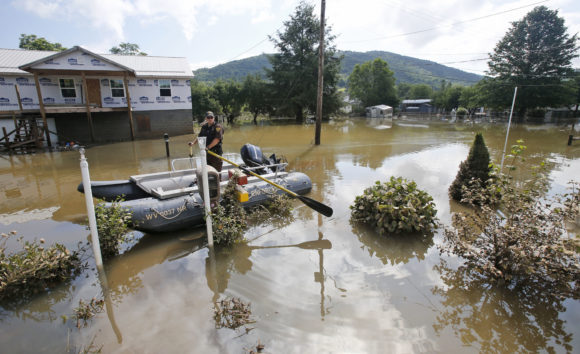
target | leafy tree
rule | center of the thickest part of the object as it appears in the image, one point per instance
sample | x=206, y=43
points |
x=203, y=100
x=475, y=167
x=403, y=90
x=420, y=91
x=256, y=94
x=373, y=83
x=229, y=95
x=536, y=56
x=470, y=99
x=294, y=72
x=448, y=98
x=32, y=42
x=127, y=49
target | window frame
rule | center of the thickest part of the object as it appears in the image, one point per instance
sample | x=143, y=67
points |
x=63, y=88
x=167, y=89
x=117, y=89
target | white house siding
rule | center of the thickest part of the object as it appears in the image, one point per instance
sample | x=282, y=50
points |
x=8, y=97
x=77, y=60
x=145, y=94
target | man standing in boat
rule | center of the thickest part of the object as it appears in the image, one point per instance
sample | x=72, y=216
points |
x=214, y=134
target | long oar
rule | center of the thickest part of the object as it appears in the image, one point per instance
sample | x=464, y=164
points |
x=319, y=207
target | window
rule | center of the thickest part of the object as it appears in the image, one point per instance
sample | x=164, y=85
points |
x=117, y=88
x=67, y=88
x=165, y=88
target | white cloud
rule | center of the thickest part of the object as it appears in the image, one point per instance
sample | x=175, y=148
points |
x=41, y=8
x=112, y=15
x=453, y=33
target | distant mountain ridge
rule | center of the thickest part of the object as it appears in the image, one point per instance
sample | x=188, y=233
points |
x=407, y=69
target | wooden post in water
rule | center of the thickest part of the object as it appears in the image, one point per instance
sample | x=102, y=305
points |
x=129, y=107
x=320, y=75
x=88, y=107
x=42, y=111
x=18, y=97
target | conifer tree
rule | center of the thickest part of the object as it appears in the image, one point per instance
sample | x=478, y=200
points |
x=476, y=166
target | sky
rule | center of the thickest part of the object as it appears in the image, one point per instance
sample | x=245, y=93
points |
x=456, y=33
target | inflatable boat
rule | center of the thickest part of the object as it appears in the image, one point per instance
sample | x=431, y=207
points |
x=172, y=200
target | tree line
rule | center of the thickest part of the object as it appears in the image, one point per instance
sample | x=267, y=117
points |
x=534, y=55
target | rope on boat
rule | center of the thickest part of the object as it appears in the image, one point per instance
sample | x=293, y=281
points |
x=271, y=191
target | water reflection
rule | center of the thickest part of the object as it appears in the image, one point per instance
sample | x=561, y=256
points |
x=498, y=319
x=109, y=309
x=162, y=289
x=125, y=271
x=393, y=249
x=38, y=308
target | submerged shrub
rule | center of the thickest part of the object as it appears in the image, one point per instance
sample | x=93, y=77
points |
x=396, y=206
x=232, y=313
x=520, y=237
x=87, y=310
x=229, y=219
x=461, y=112
x=277, y=211
x=113, y=227
x=35, y=267
x=476, y=167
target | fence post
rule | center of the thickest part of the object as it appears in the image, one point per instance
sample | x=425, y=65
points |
x=91, y=210
x=166, y=138
x=208, y=220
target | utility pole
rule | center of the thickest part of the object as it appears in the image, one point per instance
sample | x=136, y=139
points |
x=320, y=75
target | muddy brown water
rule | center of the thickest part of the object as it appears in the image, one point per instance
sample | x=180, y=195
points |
x=315, y=284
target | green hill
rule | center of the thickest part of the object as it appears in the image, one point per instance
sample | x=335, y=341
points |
x=407, y=69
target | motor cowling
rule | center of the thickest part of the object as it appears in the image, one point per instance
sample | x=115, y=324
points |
x=253, y=157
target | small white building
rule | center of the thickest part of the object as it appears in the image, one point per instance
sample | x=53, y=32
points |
x=379, y=111
x=97, y=97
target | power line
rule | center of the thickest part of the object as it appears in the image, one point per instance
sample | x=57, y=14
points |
x=449, y=25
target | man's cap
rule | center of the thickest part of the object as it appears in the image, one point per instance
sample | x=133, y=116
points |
x=209, y=114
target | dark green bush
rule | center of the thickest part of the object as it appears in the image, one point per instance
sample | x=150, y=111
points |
x=113, y=227
x=35, y=268
x=461, y=112
x=396, y=206
x=477, y=166
x=229, y=219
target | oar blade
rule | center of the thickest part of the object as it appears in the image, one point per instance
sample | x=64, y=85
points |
x=318, y=206
x=315, y=245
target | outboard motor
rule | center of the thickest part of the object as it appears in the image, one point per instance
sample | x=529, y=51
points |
x=253, y=157
x=213, y=180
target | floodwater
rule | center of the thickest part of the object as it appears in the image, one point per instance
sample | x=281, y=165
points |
x=315, y=284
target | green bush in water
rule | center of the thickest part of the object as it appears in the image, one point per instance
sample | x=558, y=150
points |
x=113, y=227
x=461, y=112
x=476, y=167
x=229, y=219
x=34, y=268
x=396, y=206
